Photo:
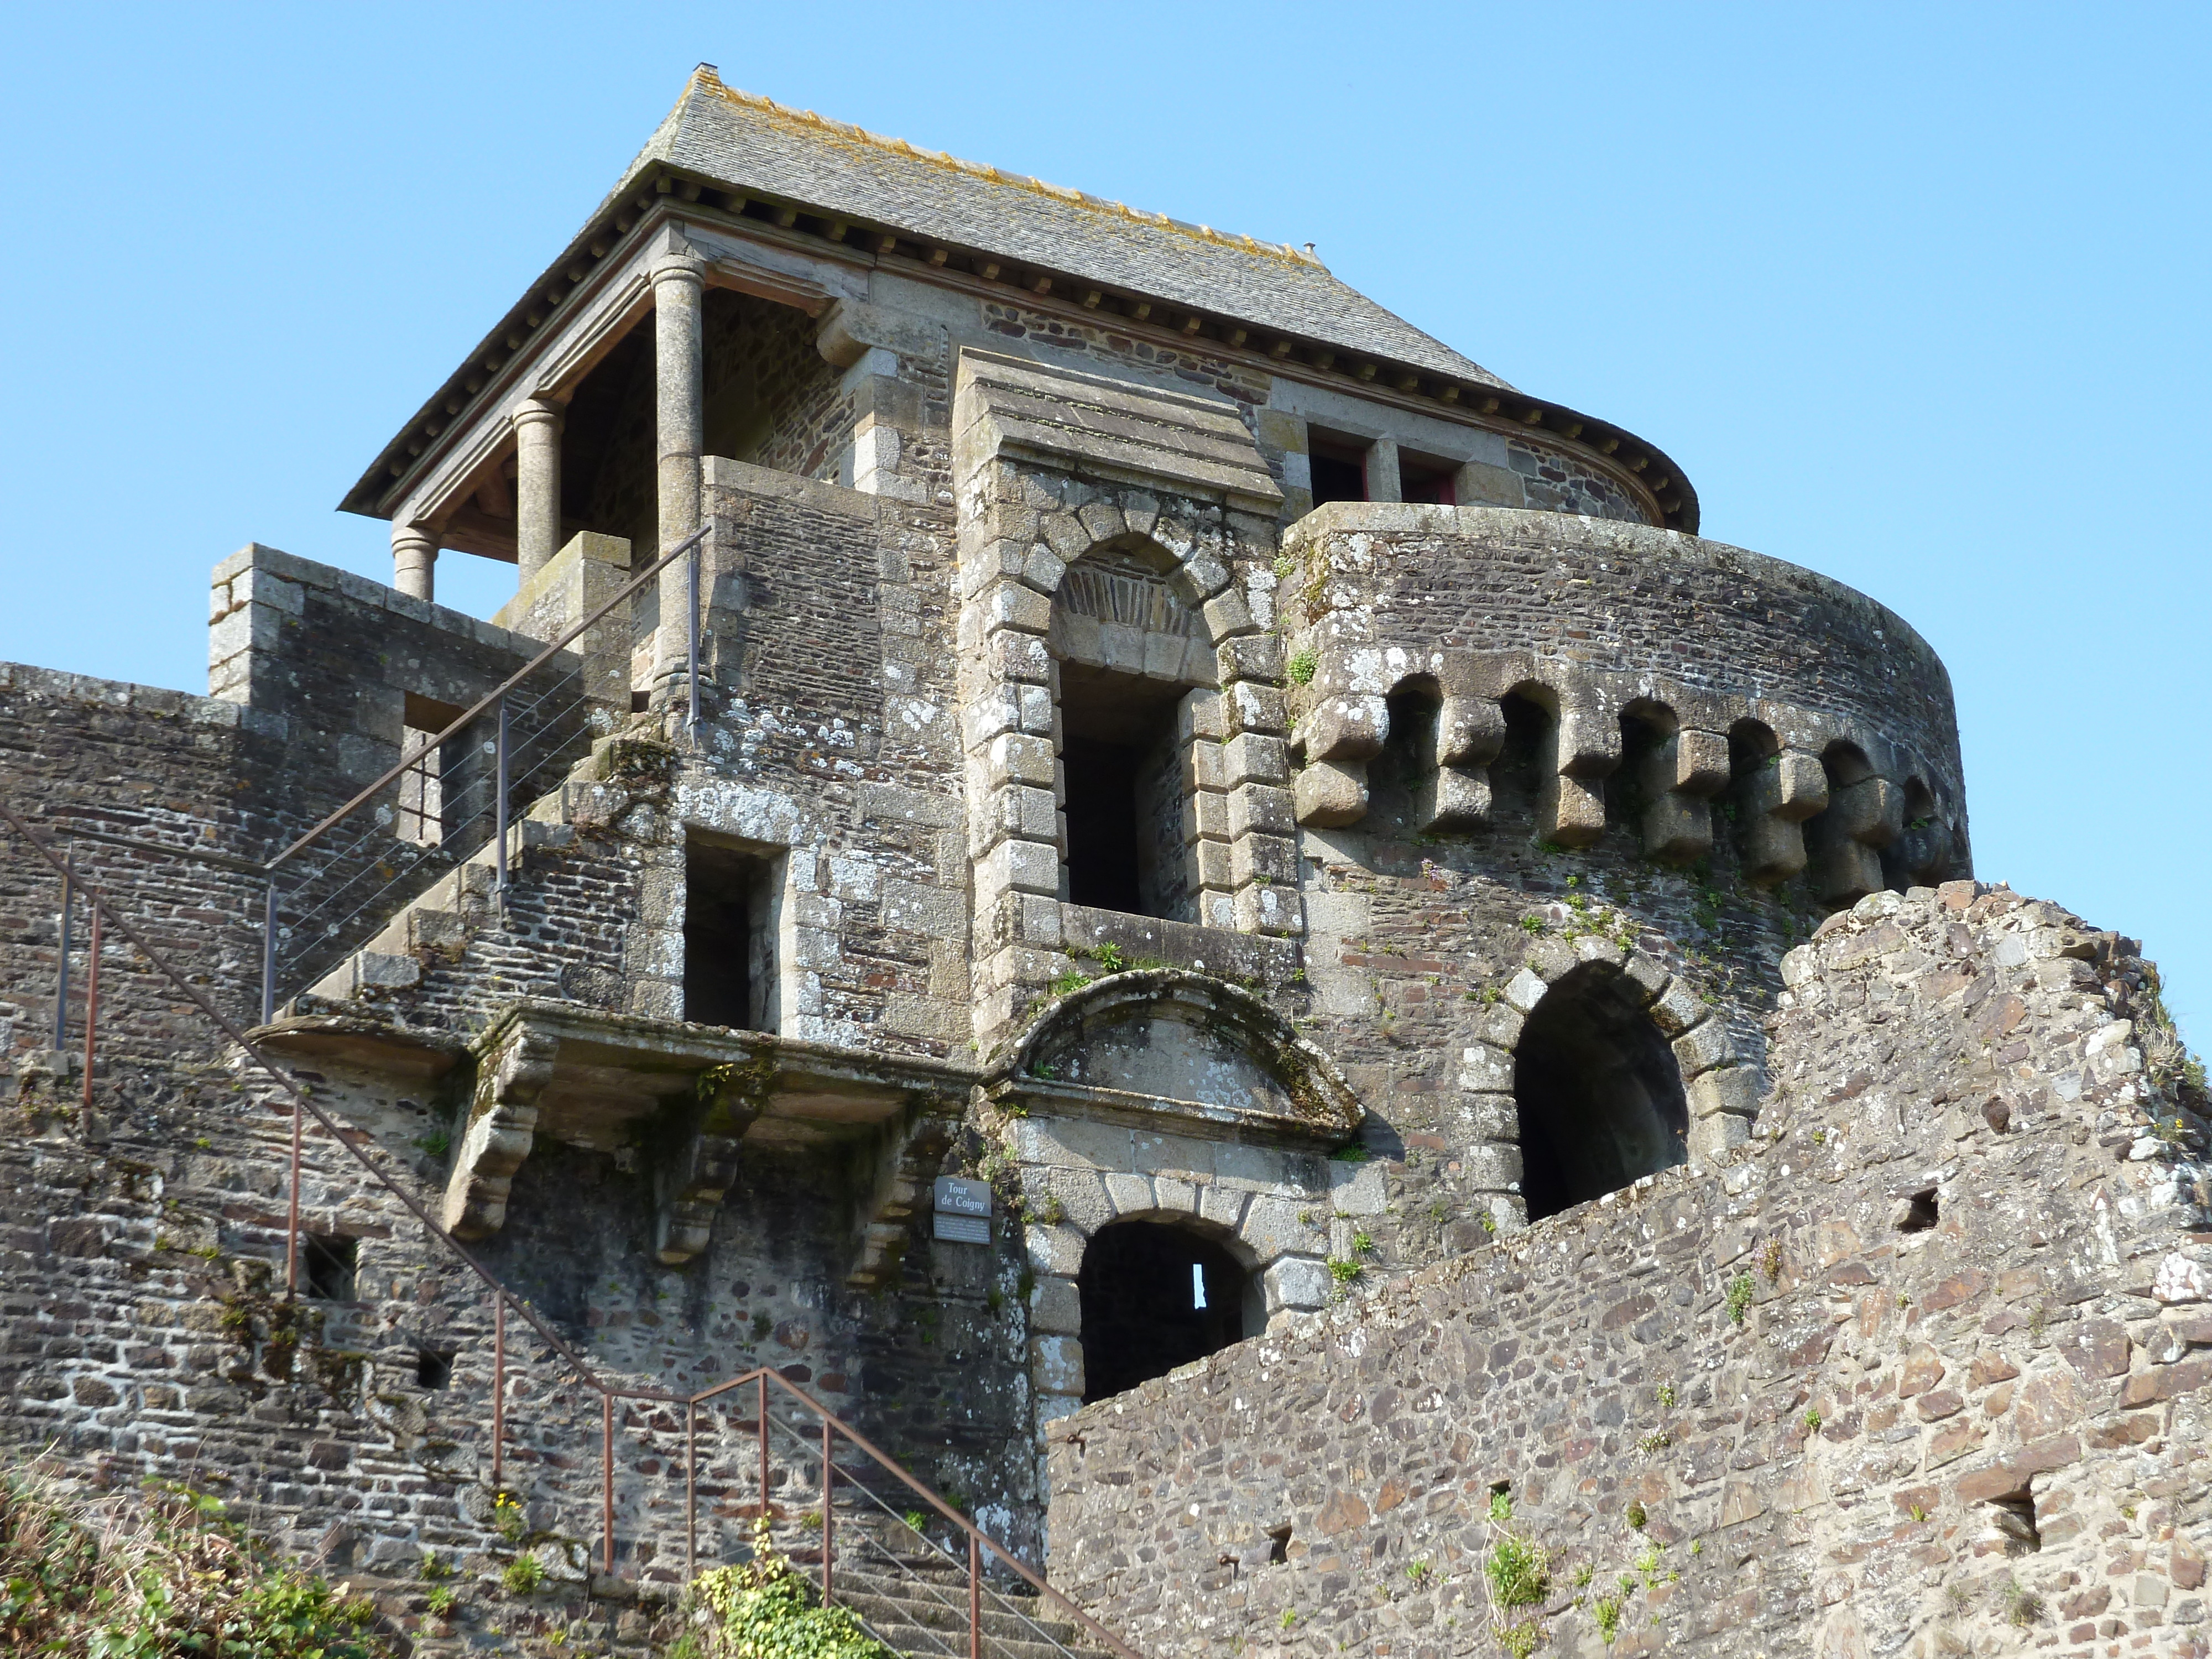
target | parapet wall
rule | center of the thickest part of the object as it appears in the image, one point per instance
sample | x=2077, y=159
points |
x=1817, y=1396
x=1725, y=658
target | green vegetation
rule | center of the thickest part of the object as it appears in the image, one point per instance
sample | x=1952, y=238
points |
x=522, y=1576
x=1740, y=1289
x=164, y=1573
x=1518, y=1574
x=1301, y=668
x=1344, y=1272
x=765, y=1610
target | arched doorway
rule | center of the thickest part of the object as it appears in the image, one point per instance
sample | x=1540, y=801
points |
x=1600, y=1095
x=1156, y=1295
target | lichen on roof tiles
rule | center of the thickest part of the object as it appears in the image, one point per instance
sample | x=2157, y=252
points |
x=748, y=142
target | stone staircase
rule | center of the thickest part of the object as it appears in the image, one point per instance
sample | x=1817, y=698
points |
x=441, y=919
x=914, y=1598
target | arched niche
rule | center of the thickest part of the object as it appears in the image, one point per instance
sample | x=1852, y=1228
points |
x=1166, y=1040
x=1598, y=1091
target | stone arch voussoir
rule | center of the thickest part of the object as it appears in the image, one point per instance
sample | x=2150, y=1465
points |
x=1722, y=1083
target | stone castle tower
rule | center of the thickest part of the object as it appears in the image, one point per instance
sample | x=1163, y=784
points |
x=1063, y=798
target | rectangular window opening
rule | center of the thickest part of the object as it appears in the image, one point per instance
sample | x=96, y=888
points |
x=729, y=936
x=1198, y=1284
x=1124, y=771
x=423, y=789
x=1427, y=478
x=1339, y=464
x=327, y=1262
x=433, y=1369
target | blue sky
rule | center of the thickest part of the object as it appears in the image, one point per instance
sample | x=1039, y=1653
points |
x=1916, y=296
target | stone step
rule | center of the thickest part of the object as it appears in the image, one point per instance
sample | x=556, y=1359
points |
x=946, y=1610
x=910, y=1630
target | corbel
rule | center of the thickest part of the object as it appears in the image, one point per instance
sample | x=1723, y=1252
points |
x=1679, y=779
x=502, y=1128
x=701, y=1160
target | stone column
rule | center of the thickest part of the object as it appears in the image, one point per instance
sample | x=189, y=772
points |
x=536, y=487
x=414, y=560
x=679, y=420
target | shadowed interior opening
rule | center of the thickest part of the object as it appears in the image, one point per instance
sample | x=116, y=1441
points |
x=728, y=937
x=1339, y=465
x=1598, y=1092
x=1155, y=1297
x=1122, y=768
x=327, y=1263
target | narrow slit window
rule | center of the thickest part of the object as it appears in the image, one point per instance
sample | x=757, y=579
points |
x=1197, y=1284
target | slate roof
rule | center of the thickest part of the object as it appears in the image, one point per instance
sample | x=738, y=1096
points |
x=736, y=144
x=746, y=142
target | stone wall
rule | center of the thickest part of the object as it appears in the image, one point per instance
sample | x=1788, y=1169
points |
x=1922, y=1368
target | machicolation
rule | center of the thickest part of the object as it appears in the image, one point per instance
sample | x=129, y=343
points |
x=1101, y=927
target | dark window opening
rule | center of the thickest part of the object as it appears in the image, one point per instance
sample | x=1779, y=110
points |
x=327, y=1263
x=432, y=1368
x=1339, y=467
x=1125, y=807
x=1155, y=1297
x=1424, y=478
x=729, y=937
x=1279, y=1545
x=1101, y=824
x=1917, y=1213
x=1600, y=1095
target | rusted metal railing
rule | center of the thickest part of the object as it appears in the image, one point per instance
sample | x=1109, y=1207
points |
x=834, y=1431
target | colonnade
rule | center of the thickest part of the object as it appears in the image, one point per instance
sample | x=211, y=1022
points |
x=679, y=420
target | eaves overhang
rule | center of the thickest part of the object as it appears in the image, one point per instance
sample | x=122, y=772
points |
x=655, y=191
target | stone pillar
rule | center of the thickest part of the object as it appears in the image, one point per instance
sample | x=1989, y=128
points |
x=536, y=487
x=414, y=560
x=1383, y=483
x=679, y=421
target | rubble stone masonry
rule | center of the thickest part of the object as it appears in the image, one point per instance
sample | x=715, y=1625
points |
x=1922, y=1368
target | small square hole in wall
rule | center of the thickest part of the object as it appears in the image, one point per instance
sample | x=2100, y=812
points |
x=1916, y=1212
x=326, y=1266
x=433, y=1369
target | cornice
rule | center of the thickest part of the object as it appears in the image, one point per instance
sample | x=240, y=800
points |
x=662, y=195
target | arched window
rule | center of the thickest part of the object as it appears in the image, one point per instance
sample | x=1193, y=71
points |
x=1156, y=1295
x=1126, y=651
x=1600, y=1095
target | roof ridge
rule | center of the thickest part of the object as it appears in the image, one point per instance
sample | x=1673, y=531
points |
x=706, y=78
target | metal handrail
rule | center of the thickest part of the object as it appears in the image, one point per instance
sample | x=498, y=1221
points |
x=507, y=685
x=974, y=1534
x=932, y=1545
x=303, y=1106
